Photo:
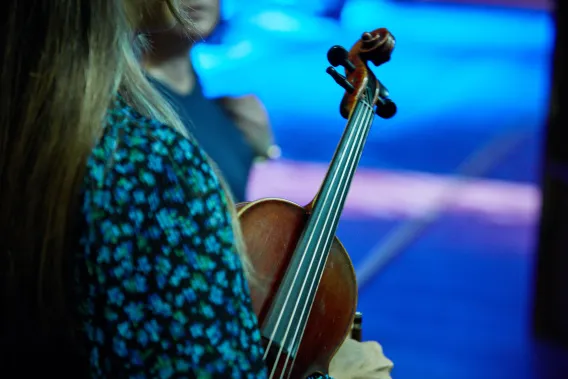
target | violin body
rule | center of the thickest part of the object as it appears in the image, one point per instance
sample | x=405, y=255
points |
x=271, y=229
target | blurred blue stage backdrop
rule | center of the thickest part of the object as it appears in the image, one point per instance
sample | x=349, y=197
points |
x=472, y=84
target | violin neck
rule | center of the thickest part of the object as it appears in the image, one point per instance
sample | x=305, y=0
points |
x=330, y=200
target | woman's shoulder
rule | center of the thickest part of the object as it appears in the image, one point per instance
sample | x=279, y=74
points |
x=143, y=151
x=141, y=169
x=127, y=130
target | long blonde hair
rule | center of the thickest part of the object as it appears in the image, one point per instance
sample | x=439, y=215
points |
x=62, y=63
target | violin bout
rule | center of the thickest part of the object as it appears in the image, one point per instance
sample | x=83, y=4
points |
x=271, y=230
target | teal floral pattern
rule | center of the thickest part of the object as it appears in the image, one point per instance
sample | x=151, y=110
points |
x=161, y=289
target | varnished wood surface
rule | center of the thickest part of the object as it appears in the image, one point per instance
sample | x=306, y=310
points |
x=271, y=229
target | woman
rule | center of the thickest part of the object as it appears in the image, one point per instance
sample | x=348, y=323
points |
x=233, y=131
x=118, y=253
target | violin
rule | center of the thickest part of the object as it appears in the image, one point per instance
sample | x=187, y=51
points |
x=306, y=293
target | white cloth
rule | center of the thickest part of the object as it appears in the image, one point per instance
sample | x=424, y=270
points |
x=360, y=360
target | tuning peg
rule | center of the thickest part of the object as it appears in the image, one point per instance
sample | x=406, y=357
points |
x=340, y=79
x=386, y=108
x=338, y=56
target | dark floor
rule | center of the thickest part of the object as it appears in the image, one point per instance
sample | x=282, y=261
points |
x=449, y=308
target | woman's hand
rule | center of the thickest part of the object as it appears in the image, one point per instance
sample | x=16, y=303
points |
x=250, y=116
x=360, y=360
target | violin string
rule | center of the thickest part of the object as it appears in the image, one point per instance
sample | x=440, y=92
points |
x=279, y=319
x=288, y=295
x=321, y=265
x=344, y=177
x=316, y=277
x=275, y=329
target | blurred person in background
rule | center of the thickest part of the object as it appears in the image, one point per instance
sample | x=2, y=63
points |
x=234, y=131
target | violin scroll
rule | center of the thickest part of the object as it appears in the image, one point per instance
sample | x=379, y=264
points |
x=359, y=81
x=376, y=47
